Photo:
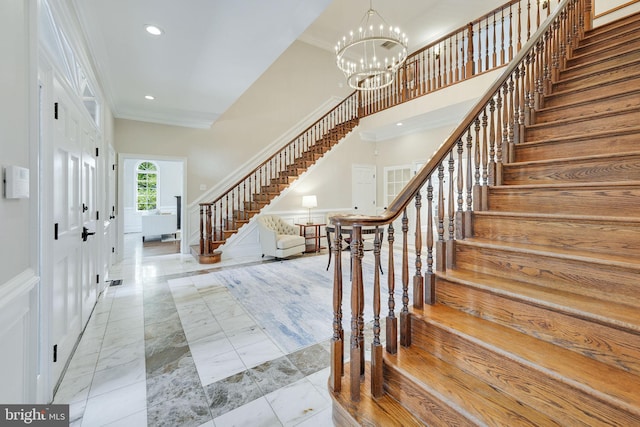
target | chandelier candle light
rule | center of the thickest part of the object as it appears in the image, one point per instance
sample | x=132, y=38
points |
x=370, y=57
x=309, y=202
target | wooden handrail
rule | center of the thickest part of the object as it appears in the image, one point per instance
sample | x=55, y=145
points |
x=402, y=200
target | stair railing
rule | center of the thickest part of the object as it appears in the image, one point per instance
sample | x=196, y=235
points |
x=482, y=45
x=456, y=180
x=222, y=217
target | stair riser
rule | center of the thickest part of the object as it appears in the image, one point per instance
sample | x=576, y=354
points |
x=613, y=169
x=552, y=396
x=600, y=65
x=588, y=146
x=601, y=123
x=603, y=104
x=627, y=72
x=608, y=50
x=263, y=197
x=254, y=206
x=617, y=348
x=419, y=401
x=607, y=283
x=275, y=188
x=284, y=180
x=605, y=201
x=604, y=42
x=619, y=238
x=626, y=24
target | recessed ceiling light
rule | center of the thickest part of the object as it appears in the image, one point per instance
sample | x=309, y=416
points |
x=399, y=124
x=153, y=30
x=149, y=97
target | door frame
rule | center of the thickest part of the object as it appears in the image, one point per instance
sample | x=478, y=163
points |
x=184, y=244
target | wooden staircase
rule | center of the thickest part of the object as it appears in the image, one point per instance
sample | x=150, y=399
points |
x=537, y=319
x=222, y=218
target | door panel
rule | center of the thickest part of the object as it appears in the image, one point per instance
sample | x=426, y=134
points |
x=363, y=189
x=67, y=249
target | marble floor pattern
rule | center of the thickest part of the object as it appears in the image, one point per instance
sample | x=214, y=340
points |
x=169, y=348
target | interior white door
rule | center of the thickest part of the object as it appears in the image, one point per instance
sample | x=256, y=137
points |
x=90, y=247
x=66, y=308
x=363, y=189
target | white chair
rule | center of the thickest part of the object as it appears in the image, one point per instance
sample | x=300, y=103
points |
x=279, y=239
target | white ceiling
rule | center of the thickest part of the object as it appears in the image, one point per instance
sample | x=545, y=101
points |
x=213, y=50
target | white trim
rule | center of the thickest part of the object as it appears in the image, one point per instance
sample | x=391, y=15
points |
x=17, y=286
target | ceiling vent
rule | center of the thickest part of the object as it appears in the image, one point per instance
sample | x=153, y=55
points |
x=388, y=45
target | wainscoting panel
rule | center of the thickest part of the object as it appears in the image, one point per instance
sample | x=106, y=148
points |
x=18, y=335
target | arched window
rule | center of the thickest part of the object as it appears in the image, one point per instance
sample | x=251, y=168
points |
x=147, y=186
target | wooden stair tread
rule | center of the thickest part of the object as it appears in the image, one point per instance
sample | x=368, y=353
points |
x=574, y=104
x=612, y=26
x=607, y=36
x=632, y=130
x=633, y=184
x=601, y=57
x=474, y=399
x=566, y=217
x=384, y=411
x=603, y=157
x=606, y=383
x=619, y=316
x=563, y=79
x=585, y=118
x=555, y=252
x=586, y=87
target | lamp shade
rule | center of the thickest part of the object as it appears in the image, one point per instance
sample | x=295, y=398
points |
x=309, y=201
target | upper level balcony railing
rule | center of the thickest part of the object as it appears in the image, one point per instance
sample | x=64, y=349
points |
x=483, y=45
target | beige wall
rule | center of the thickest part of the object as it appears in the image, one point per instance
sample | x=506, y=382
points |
x=303, y=78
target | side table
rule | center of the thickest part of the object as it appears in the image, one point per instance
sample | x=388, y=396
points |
x=312, y=240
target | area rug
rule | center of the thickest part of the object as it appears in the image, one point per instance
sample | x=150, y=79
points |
x=293, y=299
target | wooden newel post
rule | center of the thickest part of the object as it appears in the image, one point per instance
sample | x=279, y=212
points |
x=337, y=343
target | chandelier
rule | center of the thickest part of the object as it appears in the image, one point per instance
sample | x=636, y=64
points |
x=370, y=57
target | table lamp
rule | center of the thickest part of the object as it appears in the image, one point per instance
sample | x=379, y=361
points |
x=309, y=202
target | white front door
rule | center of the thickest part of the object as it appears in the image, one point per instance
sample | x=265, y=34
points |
x=363, y=189
x=66, y=309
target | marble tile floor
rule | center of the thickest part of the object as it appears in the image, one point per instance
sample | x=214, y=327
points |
x=168, y=348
